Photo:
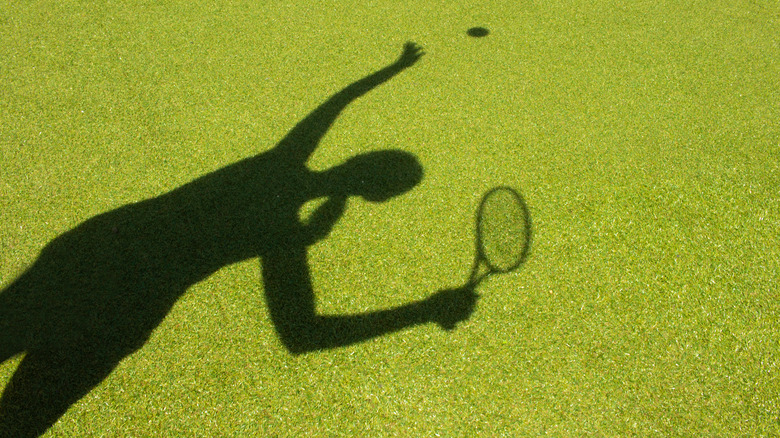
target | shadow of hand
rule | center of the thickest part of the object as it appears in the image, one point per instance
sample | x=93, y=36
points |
x=411, y=54
x=450, y=306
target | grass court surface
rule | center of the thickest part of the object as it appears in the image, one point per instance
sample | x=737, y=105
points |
x=643, y=136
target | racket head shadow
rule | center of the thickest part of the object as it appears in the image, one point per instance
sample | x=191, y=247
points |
x=503, y=232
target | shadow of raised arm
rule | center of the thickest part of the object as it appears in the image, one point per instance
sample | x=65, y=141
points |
x=302, y=140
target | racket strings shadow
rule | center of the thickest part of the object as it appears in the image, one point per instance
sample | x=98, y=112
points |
x=504, y=234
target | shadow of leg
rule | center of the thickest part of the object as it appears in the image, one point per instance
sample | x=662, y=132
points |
x=43, y=387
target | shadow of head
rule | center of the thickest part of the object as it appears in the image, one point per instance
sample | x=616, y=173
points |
x=380, y=175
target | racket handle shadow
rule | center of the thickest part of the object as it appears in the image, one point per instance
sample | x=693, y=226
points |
x=479, y=272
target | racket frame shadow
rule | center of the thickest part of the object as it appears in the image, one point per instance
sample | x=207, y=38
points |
x=480, y=258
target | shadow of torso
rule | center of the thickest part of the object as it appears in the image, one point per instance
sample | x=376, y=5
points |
x=111, y=280
x=97, y=292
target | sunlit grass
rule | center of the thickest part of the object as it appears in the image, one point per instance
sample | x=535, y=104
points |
x=644, y=138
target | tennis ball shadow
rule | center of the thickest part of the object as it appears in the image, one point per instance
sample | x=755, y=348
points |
x=477, y=32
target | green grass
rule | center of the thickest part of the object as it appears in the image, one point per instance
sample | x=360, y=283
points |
x=644, y=136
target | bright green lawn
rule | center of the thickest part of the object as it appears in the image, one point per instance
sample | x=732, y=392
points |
x=645, y=139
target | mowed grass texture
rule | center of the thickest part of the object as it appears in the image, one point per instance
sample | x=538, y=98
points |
x=644, y=137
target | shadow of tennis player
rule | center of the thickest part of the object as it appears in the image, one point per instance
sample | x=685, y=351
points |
x=96, y=292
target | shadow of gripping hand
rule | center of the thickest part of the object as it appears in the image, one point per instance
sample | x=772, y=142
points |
x=450, y=306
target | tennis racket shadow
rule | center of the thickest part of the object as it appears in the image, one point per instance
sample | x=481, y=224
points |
x=503, y=235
